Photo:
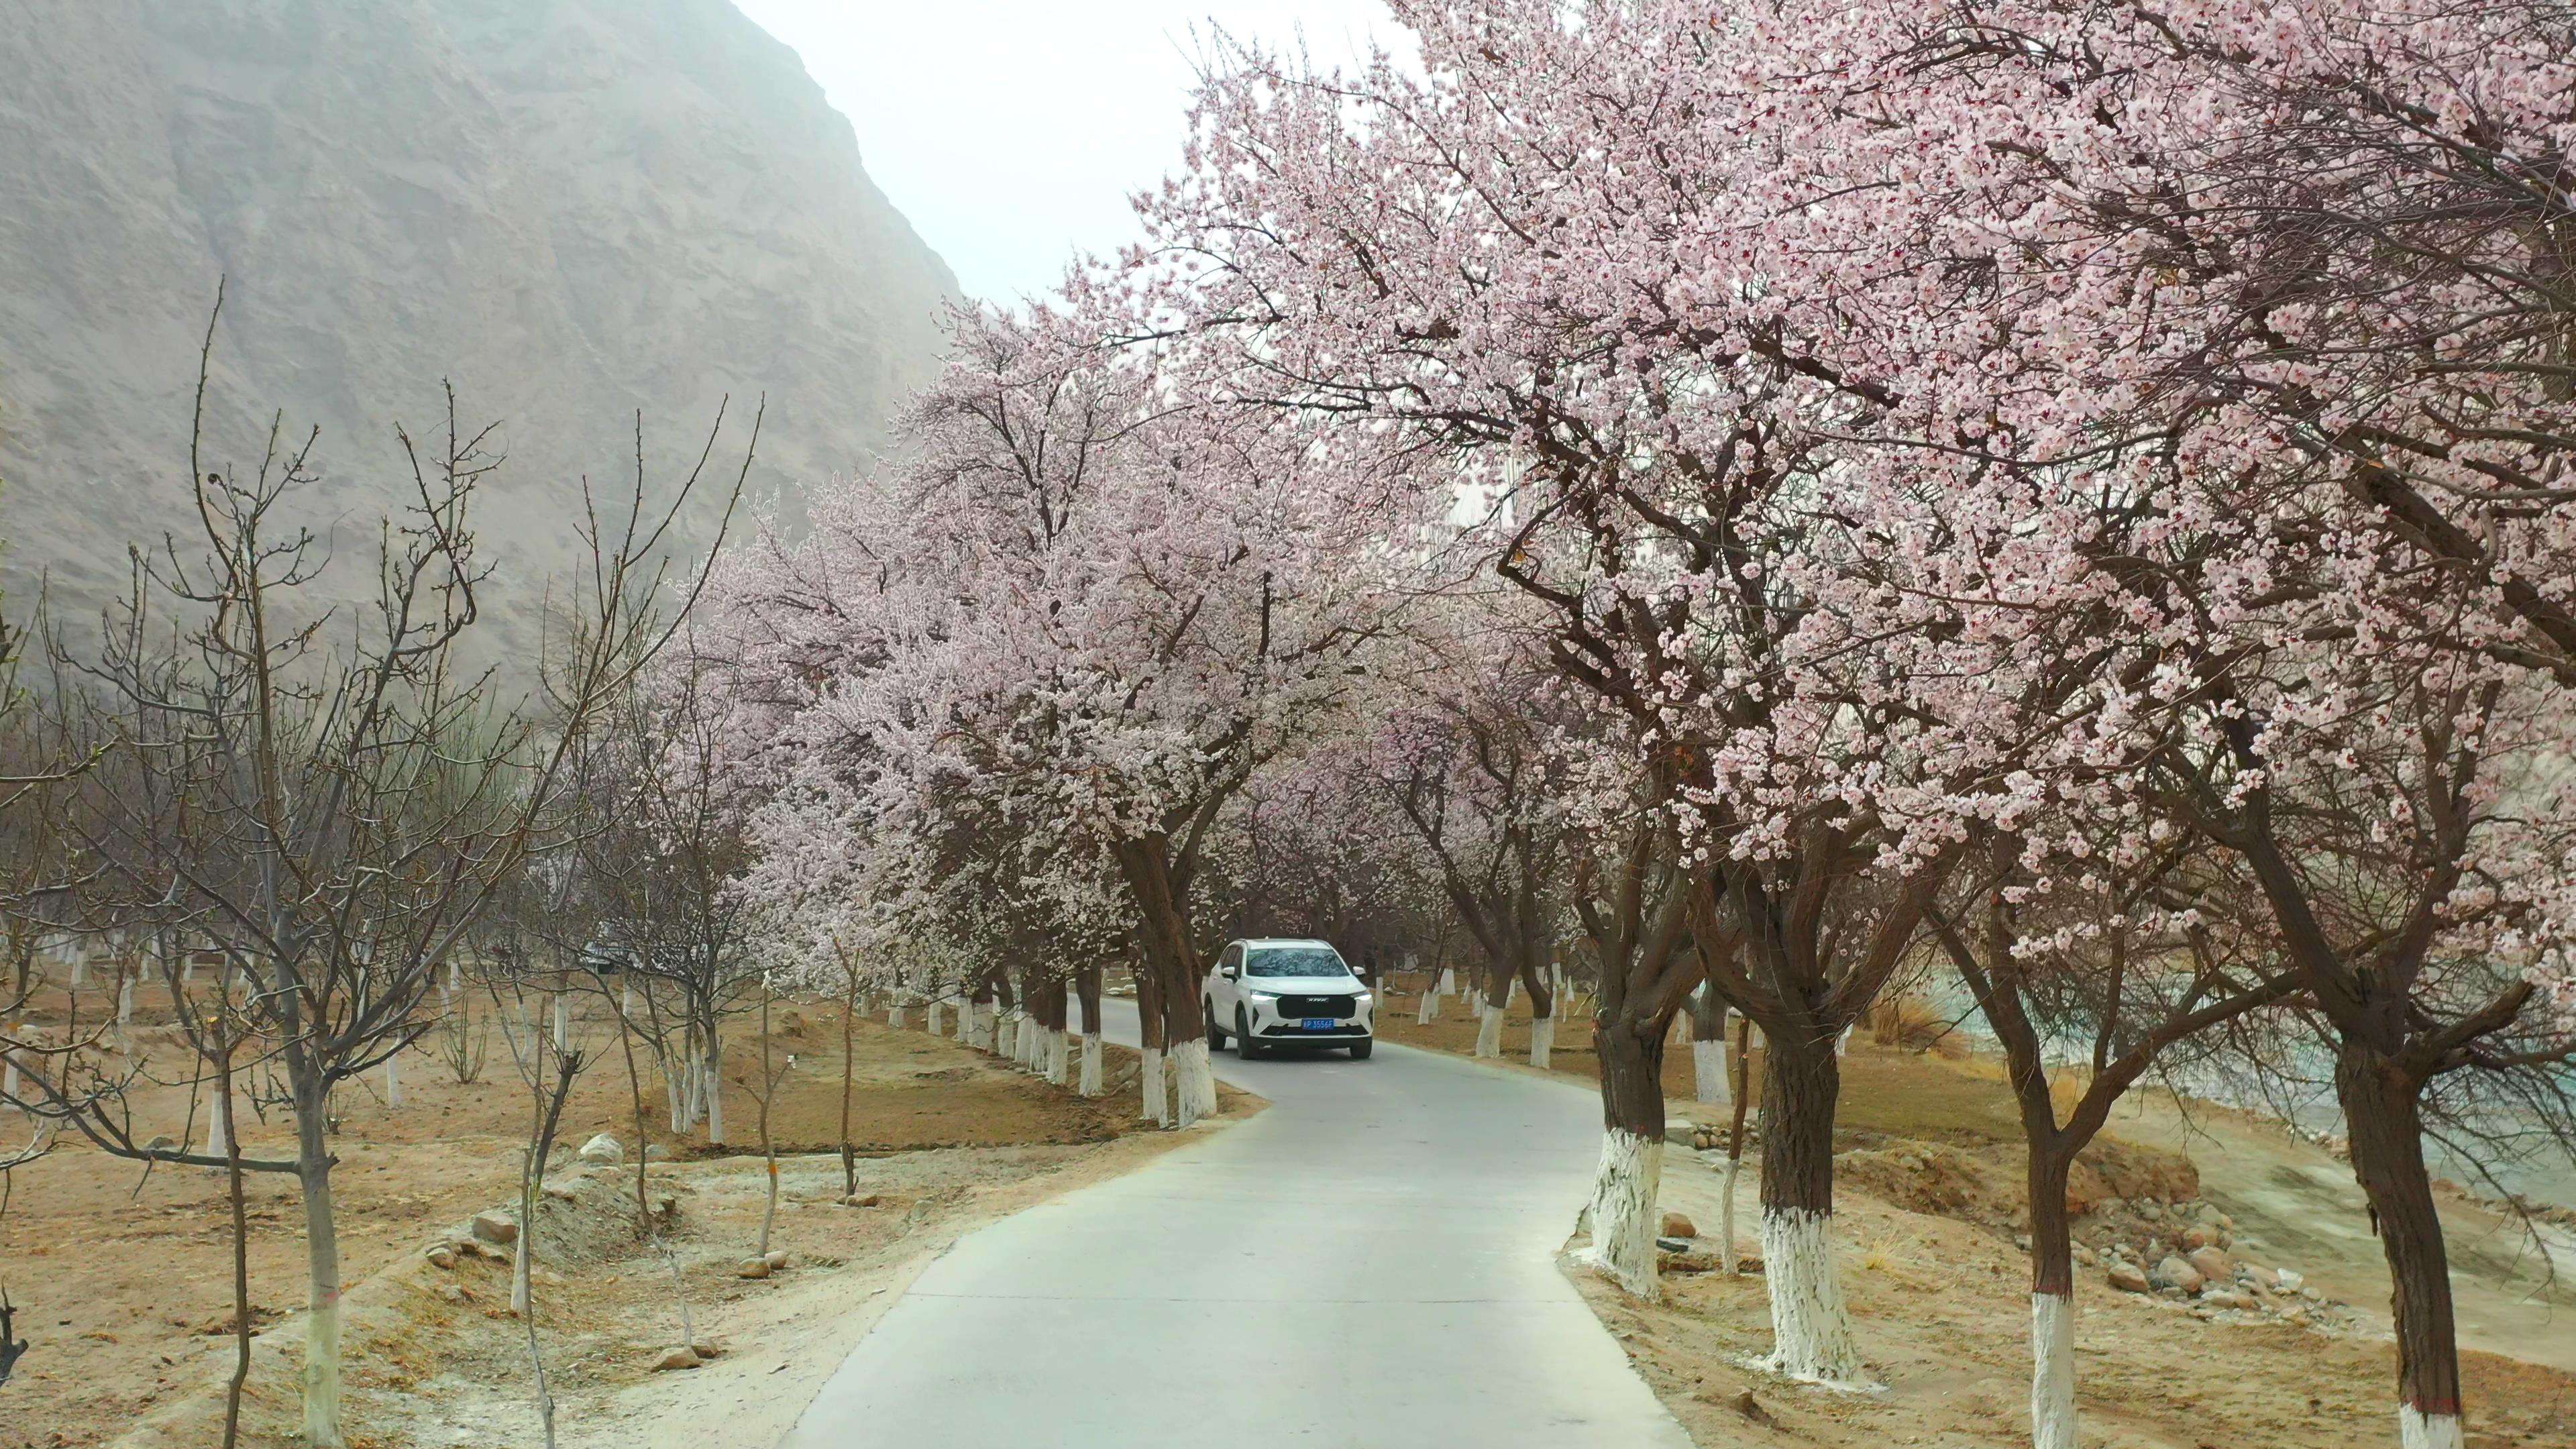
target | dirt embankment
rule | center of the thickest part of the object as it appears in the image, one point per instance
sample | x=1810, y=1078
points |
x=1930, y=1213
x=123, y=1283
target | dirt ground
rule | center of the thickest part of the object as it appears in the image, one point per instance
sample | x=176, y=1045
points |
x=1927, y=1202
x=122, y=1278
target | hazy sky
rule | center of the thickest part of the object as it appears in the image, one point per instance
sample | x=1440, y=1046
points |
x=1011, y=132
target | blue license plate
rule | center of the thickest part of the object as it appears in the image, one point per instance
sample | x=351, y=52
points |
x=1321, y=1023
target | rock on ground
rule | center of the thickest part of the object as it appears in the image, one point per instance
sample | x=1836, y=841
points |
x=2173, y=1272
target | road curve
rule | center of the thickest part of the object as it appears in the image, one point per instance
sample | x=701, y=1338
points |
x=1370, y=1262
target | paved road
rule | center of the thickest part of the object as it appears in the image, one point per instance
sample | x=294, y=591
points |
x=1367, y=1263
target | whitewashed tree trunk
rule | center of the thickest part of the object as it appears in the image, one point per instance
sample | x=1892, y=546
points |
x=322, y=1278
x=1058, y=1056
x=1622, y=1213
x=937, y=1017
x=1842, y=1044
x=1157, y=1106
x=1198, y=1081
x=1511, y=992
x=1090, y=1080
x=965, y=1021
x=671, y=1090
x=125, y=1001
x=979, y=1022
x=393, y=1080
x=626, y=1000
x=563, y=1022
x=1448, y=981
x=715, y=1100
x=1542, y=1041
x=1811, y=1330
x=80, y=969
x=187, y=969
x=217, y=1144
x=1489, y=1028
x=2052, y=1371
x=2419, y=1430
x=894, y=1012
x=1426, y=1013
x=1708, y=1072
x=455, y=978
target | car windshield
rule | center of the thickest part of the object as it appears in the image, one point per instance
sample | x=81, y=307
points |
x=1295, y=961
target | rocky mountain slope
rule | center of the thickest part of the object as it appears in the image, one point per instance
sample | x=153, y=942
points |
x=569, y=209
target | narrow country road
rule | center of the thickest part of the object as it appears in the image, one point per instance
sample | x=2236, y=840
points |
x=1370, y=1262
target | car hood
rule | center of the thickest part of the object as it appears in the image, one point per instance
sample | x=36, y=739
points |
x=1304, y=985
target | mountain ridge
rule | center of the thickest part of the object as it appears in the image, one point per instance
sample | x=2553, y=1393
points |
x=573, y=210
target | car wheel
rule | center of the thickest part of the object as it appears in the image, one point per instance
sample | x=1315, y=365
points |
x=1216, y=1038
x=1360, y=1049
x=1244, y=1045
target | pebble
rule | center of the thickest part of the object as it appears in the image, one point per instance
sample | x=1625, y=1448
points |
x=2173, y=1272
x=752, y=1268
x=1679, y=1225
x=2213, y=1264
x=441, y=1255
x=2128, y=1278
x=603, y=1148
x=680, y=1357
x=496, y=1228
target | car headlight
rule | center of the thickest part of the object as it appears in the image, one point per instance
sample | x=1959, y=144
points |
x=1263, y=995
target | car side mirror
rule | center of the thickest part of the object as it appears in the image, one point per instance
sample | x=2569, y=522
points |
x=1228, y=972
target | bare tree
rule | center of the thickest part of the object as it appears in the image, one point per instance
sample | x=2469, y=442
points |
x=547, y=1065
x=332, y=795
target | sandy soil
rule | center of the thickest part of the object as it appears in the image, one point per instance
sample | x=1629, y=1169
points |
x=122, y=1278
x=1941, y=1298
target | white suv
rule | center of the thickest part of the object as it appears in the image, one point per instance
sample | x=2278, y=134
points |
x=1277, y=992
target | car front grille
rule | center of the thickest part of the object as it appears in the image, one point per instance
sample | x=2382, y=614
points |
x=1336, y=1007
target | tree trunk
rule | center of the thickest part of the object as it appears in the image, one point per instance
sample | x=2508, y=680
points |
x=1155, y=1105
x=1163, y=929
x=1490, y=1006
x=2052, y=1302
x=1708, y=1048
x=1811, y=1328
x=2383, y=1112
x=240, y=1206
x=1738, y=1085
x=321, y=1261
x=1087, y=991
x=715, y=1091
x=1629, y=1180
x=849, y=1039
x=1059, y=1064
x=768, y=1147
x=1534, y=969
